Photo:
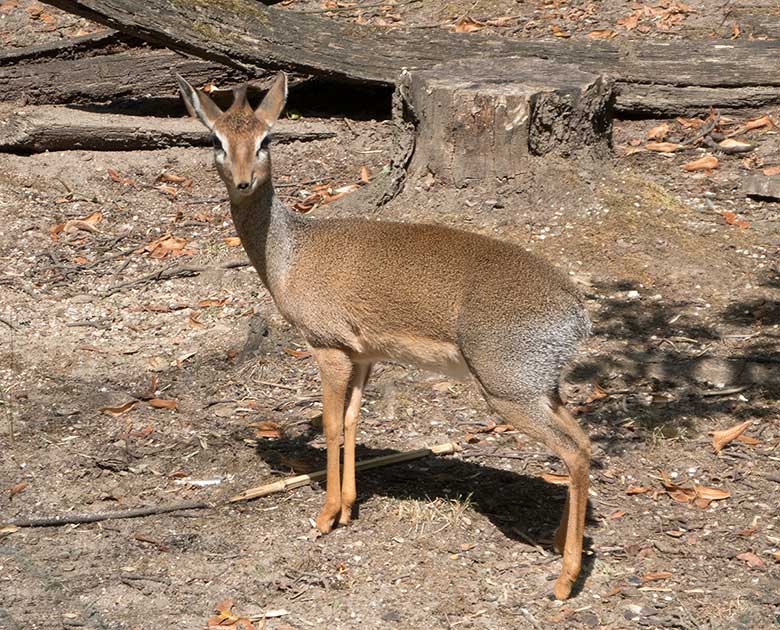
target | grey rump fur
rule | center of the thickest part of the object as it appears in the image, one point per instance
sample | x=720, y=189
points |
x=451, y=301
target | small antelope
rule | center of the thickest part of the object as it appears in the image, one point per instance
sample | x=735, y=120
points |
x=441, y=299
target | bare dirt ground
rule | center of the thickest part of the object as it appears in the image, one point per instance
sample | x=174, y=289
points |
x=681, y=274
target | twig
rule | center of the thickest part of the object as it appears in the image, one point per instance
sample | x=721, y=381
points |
x=530, y=541
x=168, y=273
x=724, y=392
x=279, y=385
x=303, y=480
x=71, y=518
x=7, y=323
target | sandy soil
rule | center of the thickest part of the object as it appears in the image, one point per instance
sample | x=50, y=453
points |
x=686, y=305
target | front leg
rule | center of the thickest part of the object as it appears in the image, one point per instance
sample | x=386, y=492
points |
x=355, y=395
x=335, y=371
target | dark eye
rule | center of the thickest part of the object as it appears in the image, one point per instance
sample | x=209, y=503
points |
x=215, y=141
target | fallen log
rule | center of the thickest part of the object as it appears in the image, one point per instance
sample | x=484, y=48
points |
x=104, y=42
x=247, y=35
x=637, y=100
x=49, y=128
x=133, y=75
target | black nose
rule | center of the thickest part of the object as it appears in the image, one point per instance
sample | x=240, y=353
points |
x=242, y=185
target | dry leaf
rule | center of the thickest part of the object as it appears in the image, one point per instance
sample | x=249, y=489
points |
x=605, y=34
x=654, y=576
x=637, y=490
x=125, y=181
x=630, y=21
x=729, y=145
x=172, y=178
x=232, y=241
x=735, y=30
x=663, y=147
x=704, y=163
x=87, y=223
x=776, y=556
x=298, y=354
x=118, y=411
x=722, y=438
x=746, y=439
x=224, y=617
x=194, y=322
x=771, y=170
x=752, y=559
x=658, y=133
x=557, y=31
x=596, y=394
x=757, y=123
x=466, y=25
x=7, y=5
x=561, y=480
x=162, y=403
x=166, y=245
x=616, y=515
x=364, y=174
x=689, y=123
x=732, y=219
x=16, y=488
x=267, y=429
x=167, y=190
x=502, y=20
x=711, y=494
x=211, y=302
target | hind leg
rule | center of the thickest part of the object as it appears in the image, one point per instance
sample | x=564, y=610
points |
x=548, y=421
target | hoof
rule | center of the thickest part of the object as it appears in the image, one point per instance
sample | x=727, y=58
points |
x=325, y=521
x=562, y=588
x=345, y=517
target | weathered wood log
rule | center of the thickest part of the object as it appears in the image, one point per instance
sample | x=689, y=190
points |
x=47, y=128
x=246, y=34
x=134, y=74
x=478, y=120
x=663, y=101
x=105, y=42
x=763, y=186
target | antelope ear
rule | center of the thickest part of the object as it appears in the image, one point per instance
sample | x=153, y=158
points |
x=198, y=103
x=273, y=103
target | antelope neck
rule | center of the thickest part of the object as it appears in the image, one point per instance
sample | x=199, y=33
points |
x=267, y=229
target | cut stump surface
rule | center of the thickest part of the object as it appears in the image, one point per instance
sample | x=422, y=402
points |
x=486, y=118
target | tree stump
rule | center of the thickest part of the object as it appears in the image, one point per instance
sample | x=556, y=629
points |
x=483, y=118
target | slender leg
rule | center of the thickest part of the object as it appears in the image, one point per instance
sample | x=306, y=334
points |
x=335, y=371
x=577, y=460
x=549, y=422
x=355, y=396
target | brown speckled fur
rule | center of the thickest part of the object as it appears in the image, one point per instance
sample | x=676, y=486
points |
x=363, y=291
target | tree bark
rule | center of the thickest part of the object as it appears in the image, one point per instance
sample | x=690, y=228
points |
x=247, y=35
x=45, y=128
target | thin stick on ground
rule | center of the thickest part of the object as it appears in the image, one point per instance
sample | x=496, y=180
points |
x=75, y=517
x=302, y=480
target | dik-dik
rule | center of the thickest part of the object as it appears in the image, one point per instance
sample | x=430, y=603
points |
x=362, y=291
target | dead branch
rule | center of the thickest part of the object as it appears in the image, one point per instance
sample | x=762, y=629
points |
x=49, y=128
x=302, y=480
x=75, y=517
